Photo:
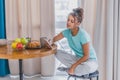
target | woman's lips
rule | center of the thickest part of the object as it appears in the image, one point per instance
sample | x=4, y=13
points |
x=68, y=25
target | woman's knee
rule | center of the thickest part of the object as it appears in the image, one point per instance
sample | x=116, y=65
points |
x=59, y=53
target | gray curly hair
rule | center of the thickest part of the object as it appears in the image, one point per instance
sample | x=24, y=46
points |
x=78, y=13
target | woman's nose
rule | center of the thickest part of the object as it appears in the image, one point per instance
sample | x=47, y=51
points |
x=68, y=22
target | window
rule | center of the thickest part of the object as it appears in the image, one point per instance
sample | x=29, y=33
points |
x=62, y=9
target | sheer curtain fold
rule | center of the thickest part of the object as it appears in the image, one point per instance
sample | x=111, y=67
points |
x=110, y=42
x=10, y=19
x=47, y=21
x=95, y=24
x=99, y=37
x=106, y=35
x=106, y=49
x=109, y=39
x=116, y=33
x=30, y=18
x=88, y=23
x=23, y=18
x=19, y=23
x=47, y=18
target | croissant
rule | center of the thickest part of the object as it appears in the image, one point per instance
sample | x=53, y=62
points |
x=33, y=44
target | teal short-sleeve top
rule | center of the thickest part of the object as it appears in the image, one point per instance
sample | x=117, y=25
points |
x=76, y=42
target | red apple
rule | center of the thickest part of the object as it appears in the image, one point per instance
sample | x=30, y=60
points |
x=20, y=46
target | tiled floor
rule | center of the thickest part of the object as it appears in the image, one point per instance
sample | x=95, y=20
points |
x=58, y=76
x=37, y=78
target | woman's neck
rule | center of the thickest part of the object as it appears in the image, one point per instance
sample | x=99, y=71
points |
x=75, y=31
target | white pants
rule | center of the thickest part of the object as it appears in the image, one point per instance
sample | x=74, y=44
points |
x=89, y=66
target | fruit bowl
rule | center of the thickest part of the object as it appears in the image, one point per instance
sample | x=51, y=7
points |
x=19, y=44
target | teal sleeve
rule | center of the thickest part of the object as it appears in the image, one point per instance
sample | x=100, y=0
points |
x=85, y=38
x=65, y=33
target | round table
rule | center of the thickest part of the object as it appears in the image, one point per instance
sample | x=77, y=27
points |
x=6, y=52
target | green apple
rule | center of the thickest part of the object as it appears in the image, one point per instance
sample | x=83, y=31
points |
x=24, y=41
x=28, y=39
x=17, y=40
x=14, y=45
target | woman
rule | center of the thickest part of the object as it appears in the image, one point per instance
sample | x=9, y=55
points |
x=84, y=61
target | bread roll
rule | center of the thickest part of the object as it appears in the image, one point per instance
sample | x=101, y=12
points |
x=33, y=44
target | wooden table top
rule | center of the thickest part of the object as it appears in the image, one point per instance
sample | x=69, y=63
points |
x=6, y=52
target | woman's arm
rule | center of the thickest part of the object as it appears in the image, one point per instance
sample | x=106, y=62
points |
x=83, y=59
x=58, y=37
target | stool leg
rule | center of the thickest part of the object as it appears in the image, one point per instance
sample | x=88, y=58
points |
x=97, y=77
x=68, y=77
x=90, y=78
x=75, y=78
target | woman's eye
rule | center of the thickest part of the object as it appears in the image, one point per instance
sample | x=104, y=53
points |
x=72, y=21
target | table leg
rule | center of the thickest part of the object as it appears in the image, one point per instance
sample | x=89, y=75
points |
x=20, y=69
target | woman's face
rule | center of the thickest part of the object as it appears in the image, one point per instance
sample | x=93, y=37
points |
x=72, y=22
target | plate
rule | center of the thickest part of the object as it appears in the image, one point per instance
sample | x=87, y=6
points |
x=34, y=44
x=34, y=47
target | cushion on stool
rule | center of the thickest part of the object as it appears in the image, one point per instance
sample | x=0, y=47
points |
x=90, y=75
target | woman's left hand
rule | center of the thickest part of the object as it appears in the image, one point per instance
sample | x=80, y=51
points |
x=71, y=70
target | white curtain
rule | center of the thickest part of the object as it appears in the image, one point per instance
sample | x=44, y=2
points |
x=116, y=40
x=30, y=18
x=23, y=18
x=100, y=37
x=105, y=31
x=47, y=29
x=88, y=23
x=94, y=23
x=107, y=38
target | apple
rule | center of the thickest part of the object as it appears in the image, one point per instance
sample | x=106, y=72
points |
x=19, y=46
x=17, y=40
x=14, y=45
x=24, y=41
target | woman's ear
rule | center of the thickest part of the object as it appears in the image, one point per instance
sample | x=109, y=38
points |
x=78, y=23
